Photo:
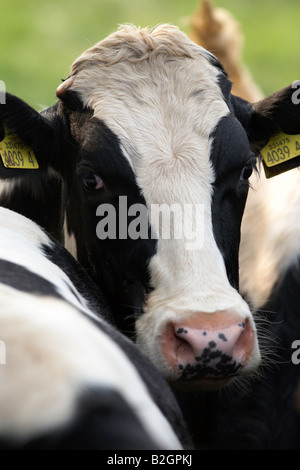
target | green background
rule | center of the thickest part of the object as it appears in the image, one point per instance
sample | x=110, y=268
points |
x=39, y=39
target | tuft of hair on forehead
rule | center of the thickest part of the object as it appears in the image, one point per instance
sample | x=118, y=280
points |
x=134, y=44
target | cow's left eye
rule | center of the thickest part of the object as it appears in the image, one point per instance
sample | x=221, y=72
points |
x=91, y=181
x=246, y=172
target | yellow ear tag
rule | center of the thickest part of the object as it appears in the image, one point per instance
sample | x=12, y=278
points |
x=15, y=154
x=282, y=153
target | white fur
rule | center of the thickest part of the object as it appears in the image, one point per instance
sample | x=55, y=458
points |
x=160, y=95
x=53, y=354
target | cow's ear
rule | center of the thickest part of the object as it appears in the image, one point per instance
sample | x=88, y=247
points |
x=28, y=139
x=277, y=112
x=68, y=96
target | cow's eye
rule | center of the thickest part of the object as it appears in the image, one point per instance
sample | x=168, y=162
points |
x=91, y=181
x=246, y=172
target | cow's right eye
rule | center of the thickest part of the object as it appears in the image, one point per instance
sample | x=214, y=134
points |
x=91, y=181
x=246, y=172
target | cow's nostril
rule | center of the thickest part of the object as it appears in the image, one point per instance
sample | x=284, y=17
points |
x=244, y=341
x=176, y=348
x=184, y=351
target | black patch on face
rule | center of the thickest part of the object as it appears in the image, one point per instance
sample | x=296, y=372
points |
x=225, y=86
x=119, y=266
x=216, y=63
x=229, y=155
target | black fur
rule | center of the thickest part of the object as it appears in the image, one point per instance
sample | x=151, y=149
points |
x=41, y=202
x=230, y=154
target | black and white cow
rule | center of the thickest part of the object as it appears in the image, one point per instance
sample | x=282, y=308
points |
x=68, y=379
x=149, y=115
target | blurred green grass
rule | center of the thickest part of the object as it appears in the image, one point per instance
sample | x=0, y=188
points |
x=39, y=39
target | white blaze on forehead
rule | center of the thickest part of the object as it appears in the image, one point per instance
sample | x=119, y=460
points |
x=158, y=92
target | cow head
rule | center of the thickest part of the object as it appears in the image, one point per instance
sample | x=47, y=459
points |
x=147, y=118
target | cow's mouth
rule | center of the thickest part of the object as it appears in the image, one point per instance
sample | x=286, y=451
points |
x=205, y=383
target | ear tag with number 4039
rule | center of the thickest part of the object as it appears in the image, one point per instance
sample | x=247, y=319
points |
x=15, y=153
x=282, y=153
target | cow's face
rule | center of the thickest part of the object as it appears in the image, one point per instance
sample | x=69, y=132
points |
x=147, y=118
x=163, y=133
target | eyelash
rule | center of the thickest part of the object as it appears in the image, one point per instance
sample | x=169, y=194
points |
x=246, y=172
x=248, y=169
